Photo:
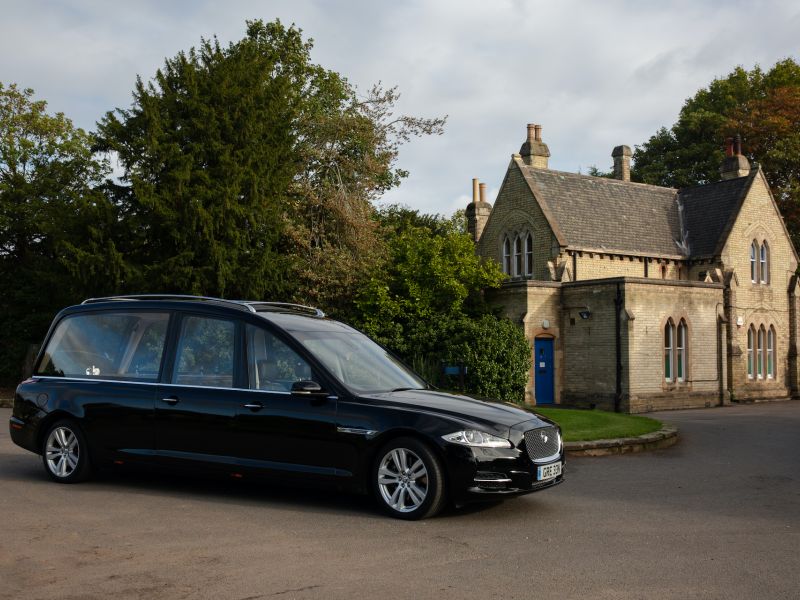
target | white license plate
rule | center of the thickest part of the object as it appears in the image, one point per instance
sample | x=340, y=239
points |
x=548, y=472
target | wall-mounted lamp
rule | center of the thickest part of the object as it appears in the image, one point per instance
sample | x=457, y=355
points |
x=585, y=314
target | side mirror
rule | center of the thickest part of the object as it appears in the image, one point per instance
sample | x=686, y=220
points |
x=307, y=388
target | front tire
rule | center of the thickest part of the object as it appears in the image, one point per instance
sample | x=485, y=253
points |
x=408, y=480
x=65, y=453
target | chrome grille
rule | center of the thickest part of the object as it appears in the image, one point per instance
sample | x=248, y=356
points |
x=542, y=443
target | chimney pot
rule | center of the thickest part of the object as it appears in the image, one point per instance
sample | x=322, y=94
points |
x=534, y=152
x=735, y=164
x=622, y=162
x=729, y=146
x=477, y=211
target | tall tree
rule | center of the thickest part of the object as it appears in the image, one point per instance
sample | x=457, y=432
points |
x=425, y=303
x=53, y=236
x=770, y=124
x=206, y=150
x=249, y=171
x=349, y=150
x=763, y=107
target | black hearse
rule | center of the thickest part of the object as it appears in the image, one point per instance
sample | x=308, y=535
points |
x=273, y=389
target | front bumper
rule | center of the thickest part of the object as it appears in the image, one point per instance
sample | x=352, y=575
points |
x=486, y=474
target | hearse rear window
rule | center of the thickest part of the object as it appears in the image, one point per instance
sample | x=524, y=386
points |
x=124, y=346
x=205, y=353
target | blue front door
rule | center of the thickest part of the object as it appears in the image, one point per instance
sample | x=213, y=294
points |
x=543, y=370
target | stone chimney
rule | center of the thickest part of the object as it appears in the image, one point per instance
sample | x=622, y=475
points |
x=477, y=211
x=622, y=162
x=534, y=151
x=735, y=163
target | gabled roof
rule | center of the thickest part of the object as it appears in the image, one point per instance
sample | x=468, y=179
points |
x=710, y=211
x=612, y=216
x=607, y=215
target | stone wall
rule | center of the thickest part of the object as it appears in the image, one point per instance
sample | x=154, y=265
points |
x=756, y=303
x=590, y=344
x=516, y=211
x=593, y=265
x=536, y=306
x=649, y=305
x=586, y=348
x=600, y=266
x=646, y=305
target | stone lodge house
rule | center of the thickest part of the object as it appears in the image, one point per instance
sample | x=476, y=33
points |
x=637, y=297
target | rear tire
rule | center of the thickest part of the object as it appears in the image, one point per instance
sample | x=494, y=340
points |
x=65, y=453
x=408, y=480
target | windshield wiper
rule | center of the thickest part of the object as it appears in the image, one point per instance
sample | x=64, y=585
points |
x=407, y=389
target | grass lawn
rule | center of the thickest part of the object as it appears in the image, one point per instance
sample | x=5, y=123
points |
x=586, y=425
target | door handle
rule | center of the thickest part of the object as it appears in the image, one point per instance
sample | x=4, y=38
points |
x=254, y=406
x=172, y=400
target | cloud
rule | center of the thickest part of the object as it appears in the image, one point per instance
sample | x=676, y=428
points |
x=594, y=74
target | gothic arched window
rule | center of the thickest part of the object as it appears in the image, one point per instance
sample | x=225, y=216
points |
x=669, y=349
x=507, y=256
x=529, y=254
x=763, y=266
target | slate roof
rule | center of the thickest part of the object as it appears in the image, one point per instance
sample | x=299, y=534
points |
x=709, y=211
x=608, y=215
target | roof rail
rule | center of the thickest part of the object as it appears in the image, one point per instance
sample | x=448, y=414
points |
x=266, y=306
x=236, y=303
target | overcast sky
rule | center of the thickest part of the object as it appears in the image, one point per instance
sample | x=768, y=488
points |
x=594, y=74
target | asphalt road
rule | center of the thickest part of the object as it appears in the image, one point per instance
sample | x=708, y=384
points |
x=716, y=516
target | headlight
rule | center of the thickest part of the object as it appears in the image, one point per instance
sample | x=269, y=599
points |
x=471, y=437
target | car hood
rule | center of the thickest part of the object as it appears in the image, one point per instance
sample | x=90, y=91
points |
x=485, y=411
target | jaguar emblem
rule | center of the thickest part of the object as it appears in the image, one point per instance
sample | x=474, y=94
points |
x=543, y=437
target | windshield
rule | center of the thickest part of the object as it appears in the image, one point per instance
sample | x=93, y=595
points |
x=358, y=362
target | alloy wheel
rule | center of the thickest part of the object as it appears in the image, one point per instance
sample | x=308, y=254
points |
x=62, y=452
x=403, y=480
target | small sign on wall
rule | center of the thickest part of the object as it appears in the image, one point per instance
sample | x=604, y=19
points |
x=452, y=376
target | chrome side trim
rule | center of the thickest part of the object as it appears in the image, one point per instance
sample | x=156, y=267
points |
x=55, y=378
x=357, y=431
x=492, y=480
x=199, y=387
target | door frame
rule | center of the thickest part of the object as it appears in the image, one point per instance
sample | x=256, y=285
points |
x=552, y=370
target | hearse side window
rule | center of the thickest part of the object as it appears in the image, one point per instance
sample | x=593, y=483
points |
x=124, y=346
x=273, y=365
x=205, y=352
